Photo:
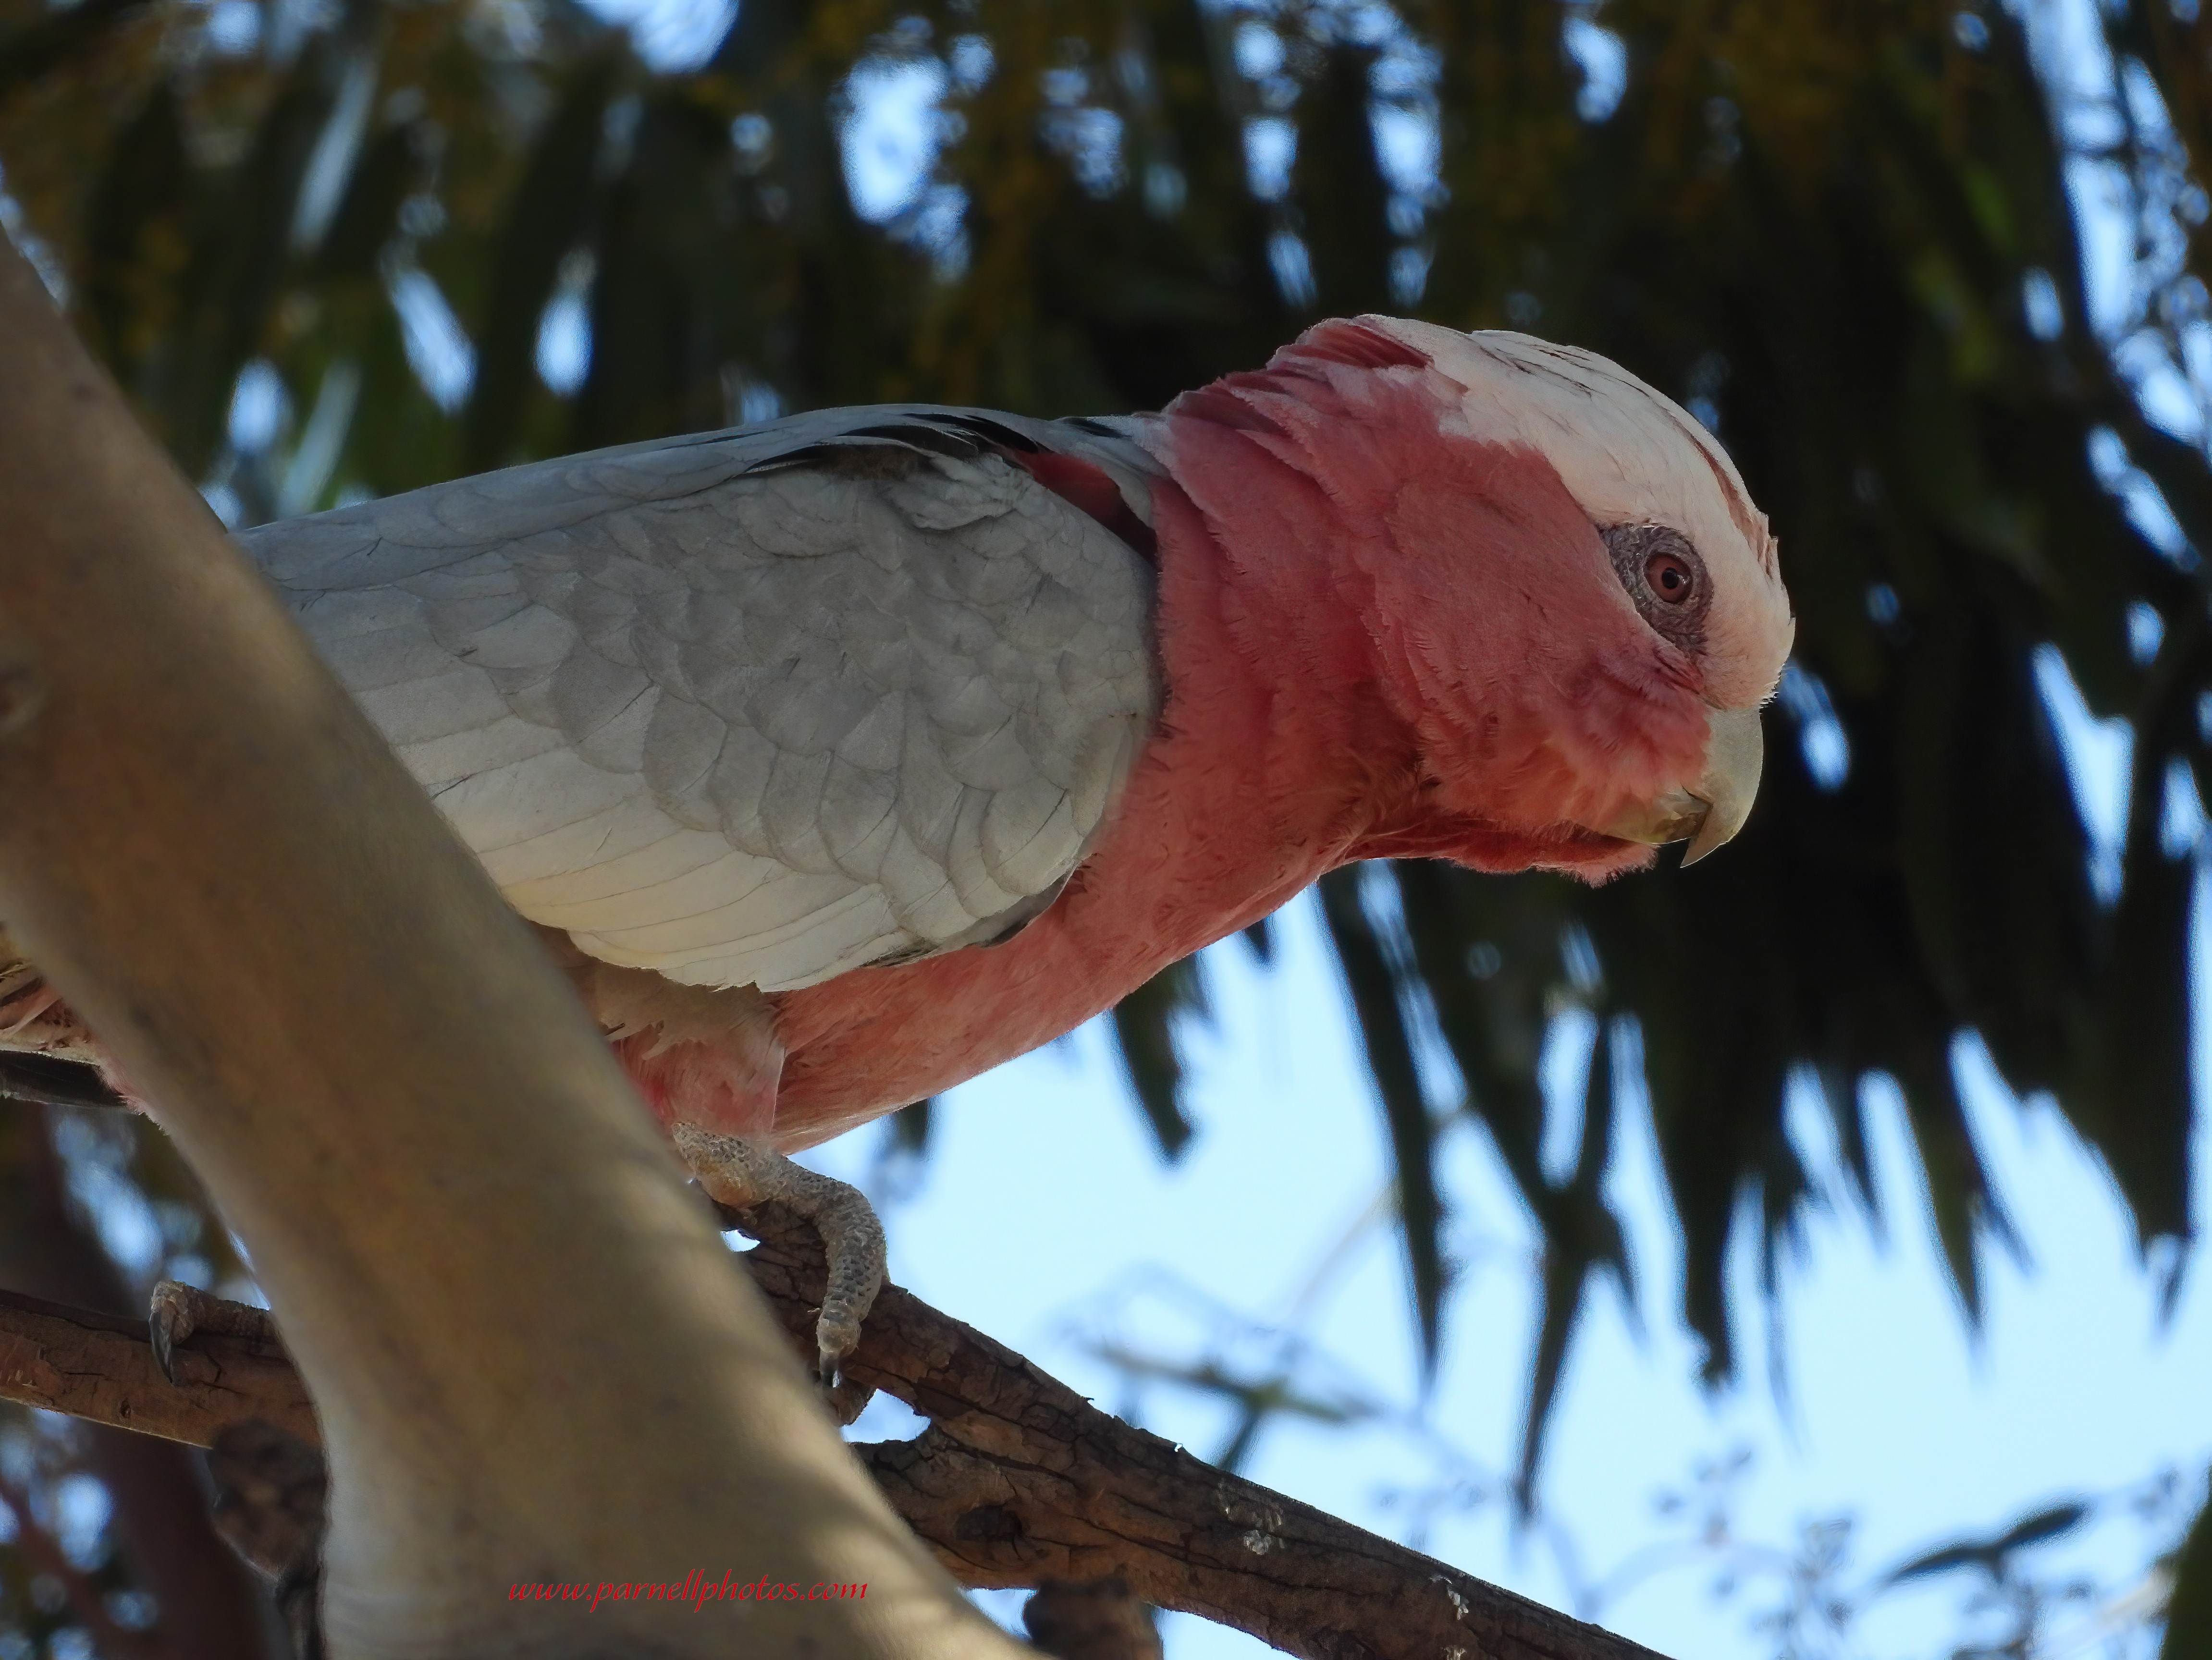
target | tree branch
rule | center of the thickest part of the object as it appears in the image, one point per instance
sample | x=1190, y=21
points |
x=1018, y=1481
x=101, y=1367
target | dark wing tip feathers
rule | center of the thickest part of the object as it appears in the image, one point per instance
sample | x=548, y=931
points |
x=922, y=435
x=962, y=436
x=999, y=435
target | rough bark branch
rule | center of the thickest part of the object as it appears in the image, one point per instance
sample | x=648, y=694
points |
x=101, y=1367
x=1019, y=1482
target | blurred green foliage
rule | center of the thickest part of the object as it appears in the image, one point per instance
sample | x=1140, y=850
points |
x=1840, y=230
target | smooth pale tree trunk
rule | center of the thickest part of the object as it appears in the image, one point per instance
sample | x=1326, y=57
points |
x=532, y=1357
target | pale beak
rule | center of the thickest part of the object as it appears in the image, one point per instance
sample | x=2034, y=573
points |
x=1710, y=812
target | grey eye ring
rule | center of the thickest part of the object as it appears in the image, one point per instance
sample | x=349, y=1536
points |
x=1664, y=578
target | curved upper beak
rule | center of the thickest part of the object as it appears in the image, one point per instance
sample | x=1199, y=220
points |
x=1710, y=812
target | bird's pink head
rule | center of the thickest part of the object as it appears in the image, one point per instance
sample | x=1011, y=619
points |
x=1550, y=573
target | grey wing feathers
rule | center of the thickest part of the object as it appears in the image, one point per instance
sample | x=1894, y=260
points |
x=756, y=708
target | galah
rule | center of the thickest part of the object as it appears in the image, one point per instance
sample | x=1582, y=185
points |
x=843, y=756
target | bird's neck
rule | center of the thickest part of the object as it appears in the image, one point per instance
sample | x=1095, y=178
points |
x=1276, y=689
x=1271, y=691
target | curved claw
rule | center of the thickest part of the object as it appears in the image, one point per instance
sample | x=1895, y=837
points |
x=178, y=1311
x=837, y=1329
x=170, y=1319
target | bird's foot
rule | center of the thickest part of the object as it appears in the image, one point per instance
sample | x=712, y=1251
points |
x=741, y=1172
x=180, y=1310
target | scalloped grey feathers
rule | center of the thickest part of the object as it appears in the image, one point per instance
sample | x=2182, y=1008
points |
x=762, y=706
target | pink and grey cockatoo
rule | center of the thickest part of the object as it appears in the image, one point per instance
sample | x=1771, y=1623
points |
x=842, y=757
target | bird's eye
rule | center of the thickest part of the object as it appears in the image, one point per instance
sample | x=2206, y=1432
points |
x=1665, y=578
x=1671, y=580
